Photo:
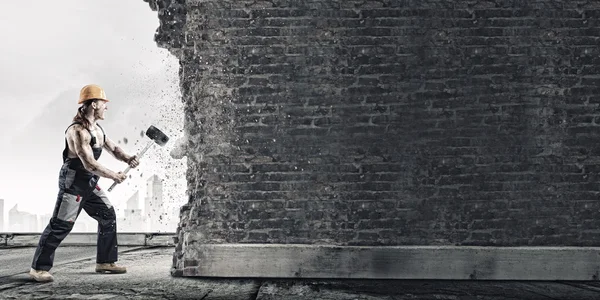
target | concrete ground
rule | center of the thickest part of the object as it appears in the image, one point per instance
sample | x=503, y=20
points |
x=148, y=277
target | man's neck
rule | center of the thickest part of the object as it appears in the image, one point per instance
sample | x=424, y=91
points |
x=90, y=117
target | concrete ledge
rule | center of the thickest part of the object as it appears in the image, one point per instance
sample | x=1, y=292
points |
x=392, y=262
x=89, y=239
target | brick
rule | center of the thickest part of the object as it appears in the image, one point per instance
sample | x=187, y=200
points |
x=446, y=117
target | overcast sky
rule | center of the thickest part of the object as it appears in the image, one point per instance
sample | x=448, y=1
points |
x=50, y=49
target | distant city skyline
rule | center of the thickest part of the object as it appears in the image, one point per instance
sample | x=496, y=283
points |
x=2, y=215
x=39, y=96
x=155, y=216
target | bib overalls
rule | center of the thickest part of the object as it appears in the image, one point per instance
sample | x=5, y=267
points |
x=78, y=190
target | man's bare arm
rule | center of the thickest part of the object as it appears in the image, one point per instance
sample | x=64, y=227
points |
x=116, y=151
x=81, y=142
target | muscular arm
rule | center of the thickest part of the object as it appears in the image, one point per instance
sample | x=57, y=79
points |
x=81, y=144
x=117, y=152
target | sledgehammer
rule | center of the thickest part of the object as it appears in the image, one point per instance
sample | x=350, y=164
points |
x=157, y=137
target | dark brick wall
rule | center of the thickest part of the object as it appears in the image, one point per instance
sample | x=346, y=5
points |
x=389, y=122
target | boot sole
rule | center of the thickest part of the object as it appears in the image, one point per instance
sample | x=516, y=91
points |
x=41, y=280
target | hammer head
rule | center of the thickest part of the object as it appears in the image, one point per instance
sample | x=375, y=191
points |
x=157, y=136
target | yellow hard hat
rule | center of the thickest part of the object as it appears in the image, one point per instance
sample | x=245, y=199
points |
x=91, y=91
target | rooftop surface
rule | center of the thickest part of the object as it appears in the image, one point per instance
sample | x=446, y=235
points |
x=149, y=277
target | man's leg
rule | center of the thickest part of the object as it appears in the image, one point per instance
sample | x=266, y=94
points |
x=99, y=207
x=65, y=213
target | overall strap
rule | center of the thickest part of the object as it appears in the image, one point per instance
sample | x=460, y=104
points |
x=64, y=154
x=103, y=133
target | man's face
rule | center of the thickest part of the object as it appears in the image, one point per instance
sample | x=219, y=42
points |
x=100, y=109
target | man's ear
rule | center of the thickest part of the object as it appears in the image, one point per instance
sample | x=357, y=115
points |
x=94, y=104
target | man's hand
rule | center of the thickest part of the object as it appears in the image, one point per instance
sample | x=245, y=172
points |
x=120, y=177
x=133, y=161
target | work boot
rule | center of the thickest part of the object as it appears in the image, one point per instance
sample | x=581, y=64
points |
x=110, y=268
x=41, y=275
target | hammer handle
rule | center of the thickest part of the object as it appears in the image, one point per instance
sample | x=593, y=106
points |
x=139, y=156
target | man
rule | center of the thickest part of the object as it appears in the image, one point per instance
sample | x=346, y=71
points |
x=78, y=187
